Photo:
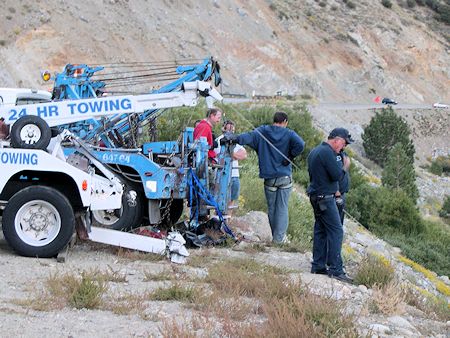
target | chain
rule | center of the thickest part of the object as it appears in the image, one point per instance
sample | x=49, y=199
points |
x=166, y=212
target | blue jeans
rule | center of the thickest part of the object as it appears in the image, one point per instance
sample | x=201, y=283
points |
x=277, y=192
x=328, y=236
x=235, y=188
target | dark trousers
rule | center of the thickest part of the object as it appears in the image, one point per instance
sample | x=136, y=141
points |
x=328, y=235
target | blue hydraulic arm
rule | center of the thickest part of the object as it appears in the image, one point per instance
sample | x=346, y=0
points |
x=75, y=82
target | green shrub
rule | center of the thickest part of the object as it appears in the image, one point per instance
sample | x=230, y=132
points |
x=252, y=187
x=444, y=13
x=301, y=222
x=445, y=210
x=440, y=165
x=386, y=3
x=383, y=210
x=384, y=131
x=175, y=292
x=429, y=249
x=88, y=293
x=374, y=270
x=398, y=172
x=357, y=178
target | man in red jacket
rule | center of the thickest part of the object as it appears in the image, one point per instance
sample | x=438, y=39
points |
x=204, y=129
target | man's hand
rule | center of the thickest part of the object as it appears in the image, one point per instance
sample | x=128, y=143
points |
x=228, y=138
x=346, y=161
x=287, y=161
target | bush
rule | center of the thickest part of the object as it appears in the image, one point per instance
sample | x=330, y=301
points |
x=374, y=270
x=440, y=165
x=301, y=221
x=399, y=173
x=445, y=210
x=444, y=13
x=384, y=211
x=385, y=130
x=386, y=3
x=429, y=248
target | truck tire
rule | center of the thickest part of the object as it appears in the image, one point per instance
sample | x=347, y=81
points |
x=129, y=216
x=30, y=132
x=38, y=221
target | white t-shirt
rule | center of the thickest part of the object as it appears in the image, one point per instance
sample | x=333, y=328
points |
x=235, y=163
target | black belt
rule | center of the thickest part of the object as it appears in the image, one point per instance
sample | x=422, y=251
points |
x=321, y=197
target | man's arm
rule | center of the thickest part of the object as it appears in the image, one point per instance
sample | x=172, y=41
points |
x=331, y=165
x=250, y=139
x=297, y=145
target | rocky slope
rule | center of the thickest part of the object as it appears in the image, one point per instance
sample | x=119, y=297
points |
x=24, y=279
x=320, y=48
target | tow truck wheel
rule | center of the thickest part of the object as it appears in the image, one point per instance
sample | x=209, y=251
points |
x=30, y=132
x=38, y=221
x=129, y=216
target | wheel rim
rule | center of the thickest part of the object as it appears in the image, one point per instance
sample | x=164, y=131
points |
x=107, y=217
x=37, y=223
x=30, y=134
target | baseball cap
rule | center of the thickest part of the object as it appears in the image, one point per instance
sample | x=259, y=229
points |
x=341, y=132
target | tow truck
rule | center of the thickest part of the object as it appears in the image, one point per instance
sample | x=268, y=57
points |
x=52, y=152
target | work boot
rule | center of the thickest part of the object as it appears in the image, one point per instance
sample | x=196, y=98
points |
x=320, y=272
x=343, y=278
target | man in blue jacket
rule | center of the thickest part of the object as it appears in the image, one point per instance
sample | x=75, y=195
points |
x=276, y=146
x=325, y=173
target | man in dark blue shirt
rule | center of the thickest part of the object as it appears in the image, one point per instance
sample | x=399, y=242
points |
x=276, y=146
x=325, y=174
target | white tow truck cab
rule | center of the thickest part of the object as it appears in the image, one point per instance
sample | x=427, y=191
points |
x=19, y=96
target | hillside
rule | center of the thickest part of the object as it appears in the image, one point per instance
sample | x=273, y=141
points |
x=326, y=49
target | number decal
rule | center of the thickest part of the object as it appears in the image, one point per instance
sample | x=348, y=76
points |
x=16, y=115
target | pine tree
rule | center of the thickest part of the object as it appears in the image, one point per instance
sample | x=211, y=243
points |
x=383, y=132
x=398, y=172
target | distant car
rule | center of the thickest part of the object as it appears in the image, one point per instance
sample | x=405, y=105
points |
x=440, y=105
x=388, y=101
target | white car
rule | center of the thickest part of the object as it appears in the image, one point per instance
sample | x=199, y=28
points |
x=440, y=105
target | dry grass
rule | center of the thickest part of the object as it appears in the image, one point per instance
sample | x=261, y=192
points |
x=88, y=292
x=254, y=289
x=434, y=307
x=374, y=270
x=203, y=258
x=388, y=299
x=225, y=307
x=244, y=277
x=255, y=248
x=126, y=304
x=110, y=275
x=157, y=277
x=80, y=291
x=132, y=255
x=176, y=292
x=197, y=326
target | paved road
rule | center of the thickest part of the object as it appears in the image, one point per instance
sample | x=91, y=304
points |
x=345, y=106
